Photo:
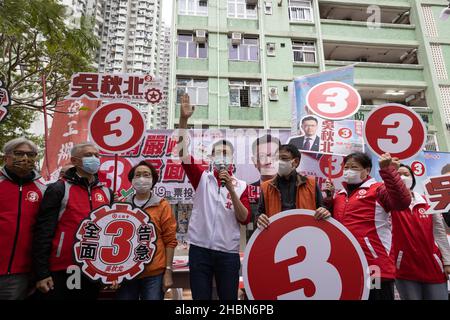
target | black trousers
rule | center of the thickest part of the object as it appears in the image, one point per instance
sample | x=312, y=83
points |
x=386, y=292
x=88, y=290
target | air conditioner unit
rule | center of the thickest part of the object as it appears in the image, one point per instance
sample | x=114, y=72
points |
x=273, y=93
x=200, y=36
x=236, y=38
x=271, y=49
x=252, y=2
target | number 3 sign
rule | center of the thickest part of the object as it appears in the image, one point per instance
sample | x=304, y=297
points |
x=396, y=129
x=116, y=127
x=333, y=100
x=305, y=259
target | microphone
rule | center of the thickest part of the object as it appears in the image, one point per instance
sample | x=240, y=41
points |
x=222, y=167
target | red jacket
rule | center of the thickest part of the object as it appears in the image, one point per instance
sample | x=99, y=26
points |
x=365, y=212
x=66, y=203
x=416, y=255
x=19, y=207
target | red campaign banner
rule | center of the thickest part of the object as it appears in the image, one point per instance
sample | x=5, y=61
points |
x=70, y=127
x=305, y=259
x=437, y=191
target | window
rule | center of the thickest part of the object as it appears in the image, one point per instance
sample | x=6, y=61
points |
x=197, y=89
x=188, y=48
x=241, y=10
x=245, y=93
x=304, y=52
x=193, y=7
x=300, y=10
x=246, y=51
x=268, y=7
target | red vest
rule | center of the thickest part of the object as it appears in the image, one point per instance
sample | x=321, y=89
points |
x=416, y=255
x=75, y=207
x=18, y=211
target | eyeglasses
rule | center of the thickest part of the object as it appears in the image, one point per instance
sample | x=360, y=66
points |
x=21, y=154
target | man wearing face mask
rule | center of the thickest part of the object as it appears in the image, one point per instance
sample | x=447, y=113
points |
x=289, y=190
x=220, y=205
x=21, y=191
x=66, y=203
x=364, y=206
x=420, y=248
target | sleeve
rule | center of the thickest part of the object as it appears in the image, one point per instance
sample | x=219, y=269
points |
x=393, y=194
x=194, y=171
x=319, y=198
x=261, y=205
x=246, y=203
x=45, y=227
x=168, y=227
x=440, y=236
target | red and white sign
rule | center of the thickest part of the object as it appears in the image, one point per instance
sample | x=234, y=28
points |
x=115, y=86
x=106, y=172
x=69, y=128
x=418, y=168
x=395, y=129
x=305, y=259
x=117, y=127
x=115, y=243
x=333, y=100
x=437, y=191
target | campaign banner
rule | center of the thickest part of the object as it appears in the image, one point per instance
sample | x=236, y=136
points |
x=302, y=85
x=115, y=86
x=318, y=135
x=437, y=163
x=70, y=127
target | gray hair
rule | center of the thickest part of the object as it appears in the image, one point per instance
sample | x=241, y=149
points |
x=11, y=145
x=77, y=148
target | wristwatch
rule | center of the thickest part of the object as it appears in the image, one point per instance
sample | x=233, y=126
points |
x=169, y=268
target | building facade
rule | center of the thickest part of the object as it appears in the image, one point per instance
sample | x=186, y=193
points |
x=236, y=58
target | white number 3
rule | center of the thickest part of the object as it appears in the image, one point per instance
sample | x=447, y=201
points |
x=315, y=267
x=400, y=133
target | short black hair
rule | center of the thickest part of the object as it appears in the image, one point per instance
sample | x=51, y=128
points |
x=266, y=139
x=293, y=150
x=308, y=118
x=222, y=142
x=412, y=174
x=445, y=168
x=360, y=157
x=155, y=175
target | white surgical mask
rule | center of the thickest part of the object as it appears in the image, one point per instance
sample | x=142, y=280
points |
x=408, y=181
x=142, y=184
x=352, y=176
x=222, y=163
x=285, y=168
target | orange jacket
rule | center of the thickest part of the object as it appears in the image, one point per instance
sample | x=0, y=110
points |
x=306, y=195
x=161, y=215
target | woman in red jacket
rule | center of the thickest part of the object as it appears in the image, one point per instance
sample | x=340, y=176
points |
x=421, y=249
x=363, y=207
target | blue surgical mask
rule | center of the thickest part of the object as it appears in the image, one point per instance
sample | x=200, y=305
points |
x=91, y=165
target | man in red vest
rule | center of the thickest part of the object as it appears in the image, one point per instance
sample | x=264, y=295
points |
x=21, y=191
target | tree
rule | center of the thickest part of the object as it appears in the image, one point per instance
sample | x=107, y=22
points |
x=37, y=41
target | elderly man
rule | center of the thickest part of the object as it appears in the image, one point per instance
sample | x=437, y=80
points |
x=21, y=191
x=66, y=203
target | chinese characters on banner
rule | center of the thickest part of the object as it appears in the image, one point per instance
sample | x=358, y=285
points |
x=438, y=193
x=69, y=128
x=107, y=87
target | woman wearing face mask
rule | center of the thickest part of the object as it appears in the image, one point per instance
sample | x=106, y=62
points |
x=157, y=276
x=363, y=206
x=421, y=249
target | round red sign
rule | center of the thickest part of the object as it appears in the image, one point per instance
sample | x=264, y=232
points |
x=305, y=259
x=116, y=127
x=333, y=100
x=395, y=129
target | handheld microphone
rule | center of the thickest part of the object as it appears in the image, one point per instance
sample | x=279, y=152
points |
x=222, y=167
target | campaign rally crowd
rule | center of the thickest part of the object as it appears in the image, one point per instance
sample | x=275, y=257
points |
x=38, y=221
